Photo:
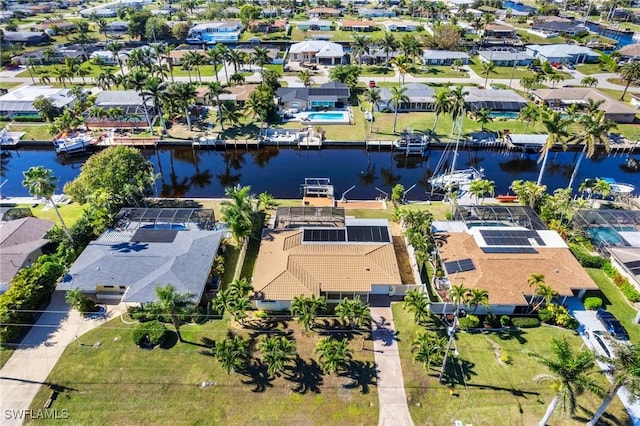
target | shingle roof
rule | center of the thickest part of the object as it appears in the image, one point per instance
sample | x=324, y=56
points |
x=321, y=47
x=630, y=50
x=18, y=239
x=416, y=92
x=444, y=54
x=332, y=89
x=493, y=55
x=570, y=95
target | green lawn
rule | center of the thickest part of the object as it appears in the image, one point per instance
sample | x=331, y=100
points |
x=493, y=393
x=34, y=131
x=615, y=302
x=70, y=212
x=9, y=85
x=5, y=354
x=529, y=38
x=117, y=380
x=376, y=71
x=95, y=70
x=439, y=71
x=205, y=71
x=502, y=72
x=589, y=69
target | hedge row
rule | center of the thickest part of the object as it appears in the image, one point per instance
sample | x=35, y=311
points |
x=586, y=259
x=150, y=333
x=22, y=119
x=629, y=291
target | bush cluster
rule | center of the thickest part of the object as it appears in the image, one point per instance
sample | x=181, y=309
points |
x=150, y=333
x=586, y=259
x=629, y=291
x=525, y=322
x=592, y=303
x=468, y=322
x=558, y=315
x=505, y=321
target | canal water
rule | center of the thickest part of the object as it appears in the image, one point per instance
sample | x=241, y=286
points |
x=623, y=38
x=185, y=172
x=519, y=7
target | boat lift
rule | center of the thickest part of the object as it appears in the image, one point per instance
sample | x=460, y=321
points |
x=343, y=199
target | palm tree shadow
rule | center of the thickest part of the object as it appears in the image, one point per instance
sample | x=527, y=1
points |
x=510, y=334
x=306, y=376
x=256, y=370
x=363, y=375
x=607, y=419
x=459, y=371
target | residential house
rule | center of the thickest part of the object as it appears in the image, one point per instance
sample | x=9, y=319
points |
x=28, y=38
x=499, y=257
x=61, y=52
x=19, y=102
x=215, y=32
x=117, y=27
x=52, y=27
x=494, y=100
x=402, y=26
x=614, y=110
x=102, y=12
x=318, y=51
x=554, y=28
x=504, y=58
x=268, y=26
x=238, y=94
x=314, y=25
x=134, y=110
x=347, y=25
x=332, y=95
x=108, y=58
x=151, y=248
x=323, y=257
x=378, y=56
x=499, y=31
x=21, y=243
x=41, y=8
x=421, y=98
x=630, y=52
x=563, y=53
x=367, y=13
x=324, y=12
x=444, y=57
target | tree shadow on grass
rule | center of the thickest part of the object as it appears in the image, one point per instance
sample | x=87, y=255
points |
x=170, y=340
x=306, y=375
x=363, y=375
x=607, y=419
x=510, y=334
x=258, y=376
x=458, y=371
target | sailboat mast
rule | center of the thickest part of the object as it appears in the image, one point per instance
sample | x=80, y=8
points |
x=455, y=151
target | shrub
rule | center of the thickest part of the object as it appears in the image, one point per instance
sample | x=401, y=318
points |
x=150, y=333
x=505, y=321
x=262, y=314
x=506, y=358
x=586, y=259
x=492, y=320
x=28, y=119
x=630, y=292
x=546, y=315
x=470, y=321
x=526, y=322
x=609, y=269
x=592, y=303
x=618, y=280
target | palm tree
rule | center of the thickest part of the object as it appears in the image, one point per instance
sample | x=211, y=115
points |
x=477, y=296
x=388, y=44
x=174, y=304
x=416, y=302
x=402, y=64
x=223, y=51
x=528, y=192
x=277, y=352
x=236, y=58
x=305, y=77
x=629, y=73
x=182, y=94
x=624, y=369
x=354, y=311
x=457, y=106
x=398, y=97
x=589, y=82
x=360, y=46
x=231, y=112
x=428, y=348
x=488, y=68
x=41, y=183
x=372, y=95
x=114, y=47
x=482, y=187
x=483, y=116
x=155, y=88
x=546, y=293
x=534, y=280
x=529, y=113
x=459, y=294
x=305, y=309
x=556, y=127
x=215, y=90
x=595, y=131
x=441, y=105
x=569, y=376
x=334, y=355
x=602, y=188
x=232, y=353
x=260, y=57
x=238, y=213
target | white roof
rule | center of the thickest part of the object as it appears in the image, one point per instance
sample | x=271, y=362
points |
x=321, y=47
x=528, y=139
x=28, y=94
x=559, y=50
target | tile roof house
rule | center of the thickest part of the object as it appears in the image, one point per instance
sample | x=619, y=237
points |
x=21, y=243
x=347, y=25
x=505, y=58
x=323, y=12
x=20, y=101
x=499, y=31
x=443, y=57
x=353, y=259
x=421, y=98
x=329, y=95
x=314, y=25
x=614, y=110
x=563, y=53
x=318, y=51
x=630, y=51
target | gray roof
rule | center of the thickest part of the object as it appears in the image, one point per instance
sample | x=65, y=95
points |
x=18, y=240
x=497, y=100
x=328, y=91
x=114, y=98
x=566, y=27
x=493, y=55
x=444, y=54
x=115, y=259
x=321, y=48
x=416, y=92
x=23, y=36
x=561, y=50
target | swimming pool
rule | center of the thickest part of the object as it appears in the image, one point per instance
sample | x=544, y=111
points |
x=504, y=114
x=328, y=117
x=607, y=236
x=176, y=226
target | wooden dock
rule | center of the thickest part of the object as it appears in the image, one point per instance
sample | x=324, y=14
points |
x=134, y=142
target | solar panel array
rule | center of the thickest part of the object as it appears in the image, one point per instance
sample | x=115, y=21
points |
x=634, y=267
x=508, y=250
x=510, y=238
x=368, y=234
x=461, y=265
x=154, y=236
x=324, y=235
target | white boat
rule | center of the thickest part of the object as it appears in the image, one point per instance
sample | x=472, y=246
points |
x=619, y=187
x=73, y=143
x=456, y=178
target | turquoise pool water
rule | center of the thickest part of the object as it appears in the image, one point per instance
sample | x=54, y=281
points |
x=505, y=114
x=326, y=116
x=606, y=235
x=175, y=226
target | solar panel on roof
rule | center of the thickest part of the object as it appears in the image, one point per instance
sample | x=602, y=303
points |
x=369, y=234
x=324, y=235
x=461, y=265
x=510, y=238
x=634, y=267
x=508, y=250
x=154, y=236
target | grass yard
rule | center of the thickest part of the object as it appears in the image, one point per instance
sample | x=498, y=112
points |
x=94, y=71
x=495, y=393
x=205, y=71
x=615, y=302
x=529, y=38
x=9, y=85
x=34, y=131
x=589, y=69
x=502, y=72
x=376, y=71
x=117, y=380
x=439, y=71
x=5, y=354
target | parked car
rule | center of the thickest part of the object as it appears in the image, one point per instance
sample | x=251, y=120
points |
x=612, y=325
x=372, y=83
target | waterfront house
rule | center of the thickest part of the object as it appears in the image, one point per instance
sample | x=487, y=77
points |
x=555, y=28
x=131, y=104
x=402, y=26
x=347, y=25
x=614, y=110
x=444, y=57
x=498, y=31
x=215, y=32
x=314, y=25
x=505, y=100
x=19, y=102
x=238, y=94
x=421, y=98
x=630, y=52
x=324, y=12
x=317, y=251
x=268, y=26
x=378, y=56
x=505, y=58
x=563, y=53
x=367, y=13
x=107, y=57
x=52, y=27
x=150, y=248
x=317, y=51
x=21, y=243
x=102, y=12
x=328, y=96
x=28, y=38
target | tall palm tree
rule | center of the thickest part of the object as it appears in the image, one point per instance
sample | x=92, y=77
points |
x=223, y=51
x=260, y=57
x=428, y=348
x=416, y=302
x=238, y=212
x=556, y=126
x=441, y=105
x=182, y=95
x=372, y=95
x=235, y=57
x=602, y=188
x=215, y=90
x=231, y=112
x=360, y=46
x=305, y=309
x=174, y=304
x=457, y=107
x=570, y=375
x=115, y=48
x=305, y=77
x=534, y=280
x=530, y=112
x=488, y=68
x=155, y=88
x=277, y=352
x=388, y=43
x=232, y=353
x=398, y=97
x=595, y=130
x=41, y=183
x=403, y=65
x=629, y=73
x=333, y=355
x=624, y=369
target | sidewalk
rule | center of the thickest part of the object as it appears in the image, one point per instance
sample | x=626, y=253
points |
x=39, y=351
x=391, y=394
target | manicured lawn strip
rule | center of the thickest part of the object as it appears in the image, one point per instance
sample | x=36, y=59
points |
x=117, y=380
x=9, y=85
x=589, y=69
x=501, y=72
x=34, y=131
x=205, y=71
x=439, y=71
x=495, y=393
x=615, y=302
x=5, y=354
x=529, y=38
x=95, y=70
x=376, y=71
